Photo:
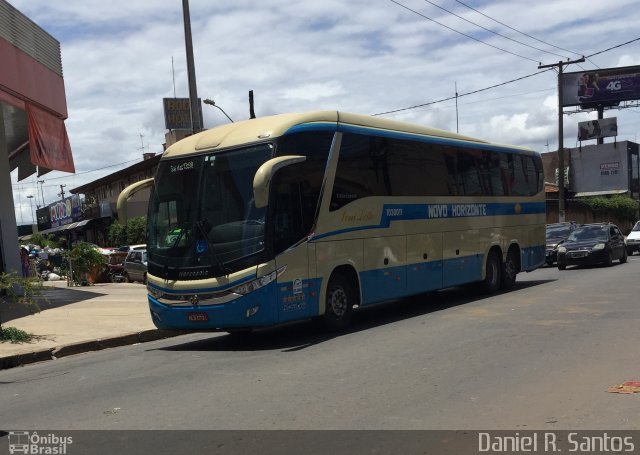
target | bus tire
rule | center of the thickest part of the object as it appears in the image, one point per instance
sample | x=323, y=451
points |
x=509, y=270
x=339, y=304
x=491, y=282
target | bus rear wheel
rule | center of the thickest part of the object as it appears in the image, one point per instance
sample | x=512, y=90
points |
x=493, y=274
x=509, y=270
x=339, y=304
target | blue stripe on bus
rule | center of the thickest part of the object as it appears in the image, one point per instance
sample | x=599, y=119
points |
x=422, y=137
x=380, y=285
x=318, y=126
x=413, y=212
x=277, y=302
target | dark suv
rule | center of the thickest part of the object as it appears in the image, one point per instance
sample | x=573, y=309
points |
x=556, y=234
x=598, y=243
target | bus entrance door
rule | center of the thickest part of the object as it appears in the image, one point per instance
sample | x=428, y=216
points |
x=296, y=296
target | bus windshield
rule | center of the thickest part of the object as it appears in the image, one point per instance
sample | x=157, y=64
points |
x=201, y=214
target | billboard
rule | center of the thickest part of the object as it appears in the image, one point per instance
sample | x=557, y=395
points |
x=177, y=113
x=595, y=129
x=602, y=168
x=66, y=211
x=606, y=87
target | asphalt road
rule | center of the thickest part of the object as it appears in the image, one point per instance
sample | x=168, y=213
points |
x=539, y=357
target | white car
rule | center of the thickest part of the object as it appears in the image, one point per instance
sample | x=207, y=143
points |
x=633, y=239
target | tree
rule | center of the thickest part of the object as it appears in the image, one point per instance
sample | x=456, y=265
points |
x=85, y=259
x=117, y=234
x=134, y=232
x=137, y=230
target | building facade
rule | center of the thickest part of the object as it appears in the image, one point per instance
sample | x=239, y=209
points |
x=33, y=108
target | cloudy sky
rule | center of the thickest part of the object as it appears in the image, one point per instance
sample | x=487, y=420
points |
x=360, y=56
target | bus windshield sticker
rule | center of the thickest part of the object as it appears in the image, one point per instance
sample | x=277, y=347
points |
x=186, y=166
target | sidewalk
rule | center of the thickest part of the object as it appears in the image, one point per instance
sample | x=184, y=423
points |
x=80, y=319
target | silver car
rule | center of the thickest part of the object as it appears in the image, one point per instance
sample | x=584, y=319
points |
x=135, y=266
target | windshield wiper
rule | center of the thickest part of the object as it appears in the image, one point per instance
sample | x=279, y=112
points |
x=211, y=250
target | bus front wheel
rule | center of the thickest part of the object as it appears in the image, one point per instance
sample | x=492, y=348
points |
x=492, y=277
x=339, y=304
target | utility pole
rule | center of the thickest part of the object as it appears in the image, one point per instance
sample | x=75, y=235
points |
x=196, y=121
x=456, y=88
x=61, y=193
x=561, y=204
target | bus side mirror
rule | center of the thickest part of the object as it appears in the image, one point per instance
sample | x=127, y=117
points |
x=126, y=194
x=265, y=173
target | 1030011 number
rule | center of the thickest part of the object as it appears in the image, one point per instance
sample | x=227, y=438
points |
x=394, y=212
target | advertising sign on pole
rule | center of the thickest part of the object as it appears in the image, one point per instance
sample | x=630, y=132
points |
x=605, y=87
x=177, y=113
x=595, y=129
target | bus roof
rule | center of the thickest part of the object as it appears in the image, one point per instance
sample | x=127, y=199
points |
x=262, y=128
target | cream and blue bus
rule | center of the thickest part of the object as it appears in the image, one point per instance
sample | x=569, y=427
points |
x=312, y=215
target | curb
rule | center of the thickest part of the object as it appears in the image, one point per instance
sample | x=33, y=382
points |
x=145, y=336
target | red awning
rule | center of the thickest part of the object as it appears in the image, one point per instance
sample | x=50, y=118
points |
x=48, y=141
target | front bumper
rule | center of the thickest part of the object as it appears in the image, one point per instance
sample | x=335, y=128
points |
x=583, y=257
x=256, y=309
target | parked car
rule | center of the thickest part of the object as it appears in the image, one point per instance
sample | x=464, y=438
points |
x=598, y=243
x=127, y=248
x=556, y=234
x=633, y=239
x=135, y=266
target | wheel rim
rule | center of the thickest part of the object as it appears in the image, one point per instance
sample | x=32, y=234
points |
x=492, y=270
x=510, y=268
x=338, y=302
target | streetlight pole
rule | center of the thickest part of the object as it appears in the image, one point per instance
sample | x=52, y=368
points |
x=33, y=218
x=213, y=103
x=41, y=182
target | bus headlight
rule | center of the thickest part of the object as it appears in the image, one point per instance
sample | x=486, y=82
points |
x=155, y=293
x=258, y=283
x=597, y=247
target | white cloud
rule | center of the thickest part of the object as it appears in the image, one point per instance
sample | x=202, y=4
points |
x=313, y=92
x=356, y=56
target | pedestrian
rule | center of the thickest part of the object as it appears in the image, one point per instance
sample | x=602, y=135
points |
x=24, y=259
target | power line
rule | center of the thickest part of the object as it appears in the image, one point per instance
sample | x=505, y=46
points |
x=494, y=32
x=613, y=47
x=518, y=31
x=461, y=94
x=84, y=172
x=495, y=98
x=461, y=33
x=496, y=85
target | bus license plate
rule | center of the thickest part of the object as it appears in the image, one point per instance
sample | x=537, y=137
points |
x=197, y=316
